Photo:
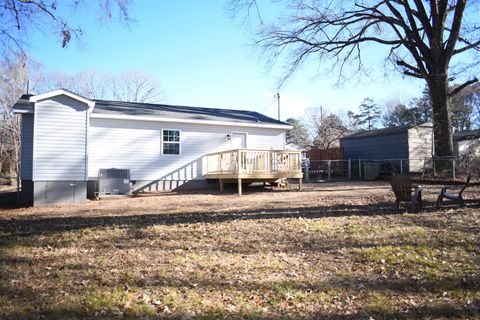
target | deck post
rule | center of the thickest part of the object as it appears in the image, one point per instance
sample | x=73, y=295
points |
x=401, y=166
x=239, y=161
x=299, y=183
x=221, y=184
x=239, y=186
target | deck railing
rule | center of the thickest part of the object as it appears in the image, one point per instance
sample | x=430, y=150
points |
x=253, y=161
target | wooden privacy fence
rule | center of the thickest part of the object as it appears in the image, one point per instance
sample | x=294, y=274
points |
x=324, y=154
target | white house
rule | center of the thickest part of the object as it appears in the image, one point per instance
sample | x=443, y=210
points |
x=67, y=139
x=466, y=141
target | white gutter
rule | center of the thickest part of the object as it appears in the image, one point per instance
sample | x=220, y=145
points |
x=193, y=121
x=22, y=111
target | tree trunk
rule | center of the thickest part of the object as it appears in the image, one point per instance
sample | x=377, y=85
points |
x=442, y=127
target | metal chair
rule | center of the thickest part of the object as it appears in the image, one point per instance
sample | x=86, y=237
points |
x=405, y=191
x=456, y=198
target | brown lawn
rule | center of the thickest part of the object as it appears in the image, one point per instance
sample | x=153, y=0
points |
x=337, y=250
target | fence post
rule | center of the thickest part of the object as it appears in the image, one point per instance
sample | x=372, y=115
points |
x=329, y=169
x=18, y=188
x=453, y=169
x=401, y=166
x=349, y=169
x=307, y=172
x=360, y=168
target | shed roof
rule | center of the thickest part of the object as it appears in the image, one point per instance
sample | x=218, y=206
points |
x=383, y=131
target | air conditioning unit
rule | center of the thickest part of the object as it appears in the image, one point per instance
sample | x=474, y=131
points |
x=113, y=181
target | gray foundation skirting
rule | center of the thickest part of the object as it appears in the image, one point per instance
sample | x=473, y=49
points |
x=55, y=192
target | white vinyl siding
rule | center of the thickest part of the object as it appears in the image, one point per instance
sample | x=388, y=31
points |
x=26, y=152
x=136, y=145
x=60, y=140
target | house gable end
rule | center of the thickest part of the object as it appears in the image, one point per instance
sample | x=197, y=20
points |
x=62, y=92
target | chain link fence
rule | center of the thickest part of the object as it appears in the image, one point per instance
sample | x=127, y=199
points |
x=320, y=170
x=447, y=168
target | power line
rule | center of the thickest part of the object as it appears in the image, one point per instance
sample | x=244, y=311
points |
x=271, y=104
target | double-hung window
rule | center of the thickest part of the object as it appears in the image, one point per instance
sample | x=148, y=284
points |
x=170, y=141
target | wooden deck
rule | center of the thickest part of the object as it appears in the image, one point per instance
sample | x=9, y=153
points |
x=251, y=165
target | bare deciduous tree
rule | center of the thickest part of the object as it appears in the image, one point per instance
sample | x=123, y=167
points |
x=325, y=128
x=13, y=83
x=136, y=86
x=423, y=38
x=331, y=130
x=19, y=17
x=133, y=86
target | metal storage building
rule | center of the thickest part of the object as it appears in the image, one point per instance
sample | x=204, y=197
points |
x=412, y=144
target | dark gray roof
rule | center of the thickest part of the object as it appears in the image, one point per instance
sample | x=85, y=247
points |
x=466, y=135
x=23, y=104
x=382, y=132
x=107, y=107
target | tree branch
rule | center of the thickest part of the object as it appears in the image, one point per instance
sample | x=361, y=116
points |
x=455, y=32
x=461, y=87
x=468, y=47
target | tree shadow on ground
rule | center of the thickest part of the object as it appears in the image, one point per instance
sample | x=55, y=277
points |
x=9, y=200
x=32, y=226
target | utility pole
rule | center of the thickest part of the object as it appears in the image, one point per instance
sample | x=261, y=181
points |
x=278, y=104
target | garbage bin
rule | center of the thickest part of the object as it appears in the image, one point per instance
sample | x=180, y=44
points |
x=371, y=169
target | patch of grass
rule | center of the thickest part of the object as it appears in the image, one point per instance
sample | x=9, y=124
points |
x=404, y=255
x=321, y=226
x=10, y=245
x=141, y=309
x=64, y=311
x=466, y=241
x=409, y=232
x=360, y=230
x=421, y=261
x=380, y=305
x=104, y=299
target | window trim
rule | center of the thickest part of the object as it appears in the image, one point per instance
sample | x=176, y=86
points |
x=179, y=142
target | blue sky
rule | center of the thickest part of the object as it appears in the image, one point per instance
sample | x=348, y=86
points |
x=202, y=57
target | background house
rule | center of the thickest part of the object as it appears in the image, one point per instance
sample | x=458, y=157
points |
x=67, y=139
x=465, y=140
